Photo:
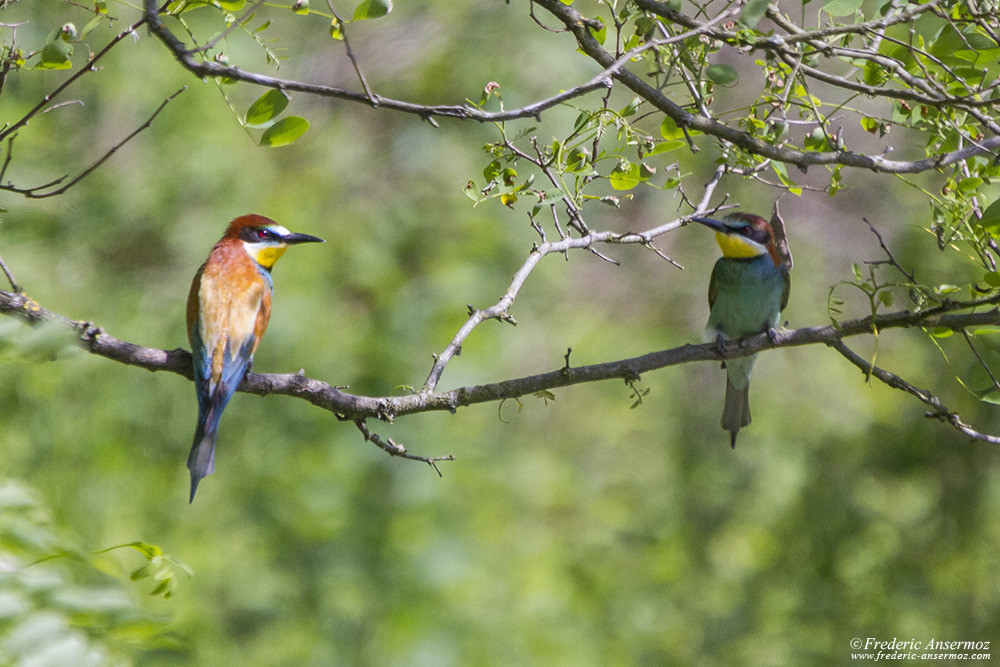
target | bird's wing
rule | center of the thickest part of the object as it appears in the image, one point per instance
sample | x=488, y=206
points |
x=788, y=286
x=713, y=284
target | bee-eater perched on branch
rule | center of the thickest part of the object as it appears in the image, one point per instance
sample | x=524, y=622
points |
x=228, y=308
x=748, y=291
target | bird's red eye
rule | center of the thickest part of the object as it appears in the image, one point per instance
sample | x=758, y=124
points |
x=262, y=233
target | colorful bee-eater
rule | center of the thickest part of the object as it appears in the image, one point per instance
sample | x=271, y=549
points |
x=228, y=308
x=748, y=291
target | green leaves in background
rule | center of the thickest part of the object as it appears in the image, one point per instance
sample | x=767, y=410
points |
x=284, y=132
x=56, y=55
x=722, y=75
x=842, y=7
x=372, y=9
x=266, y=108
x=626, y=175
x=262, y=114
x=60, y=605
x=990, y=222
x=753, y=13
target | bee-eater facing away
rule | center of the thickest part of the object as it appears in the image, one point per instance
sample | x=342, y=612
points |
x=228, y=308
x=748, y=291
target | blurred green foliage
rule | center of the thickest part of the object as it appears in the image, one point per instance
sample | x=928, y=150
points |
x=568, y=531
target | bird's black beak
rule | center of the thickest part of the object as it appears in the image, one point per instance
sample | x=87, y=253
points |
x=292, y=239
x=714, y=224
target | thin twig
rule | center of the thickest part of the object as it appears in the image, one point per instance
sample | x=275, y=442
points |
x=36, y=192
x=394, y=448
x=10, y=276
x=373, y=98
x=245, y=16
x=982, y=362
x=888, y=253
x=89, y=67
x=891, y=379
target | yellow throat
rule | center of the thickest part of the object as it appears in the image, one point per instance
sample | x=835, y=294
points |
x=268, y=255
x=737, y=247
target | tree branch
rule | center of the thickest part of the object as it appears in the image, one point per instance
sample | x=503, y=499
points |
x=349, y=406
x=891, y=379
x=209, y=68
x=578, y=25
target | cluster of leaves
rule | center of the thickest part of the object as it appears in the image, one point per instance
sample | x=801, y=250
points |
x=977, y=373
x=61, y=605
x=57, y=52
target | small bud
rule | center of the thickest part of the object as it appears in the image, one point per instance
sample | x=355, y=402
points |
x=67, y=32
x=301, y=7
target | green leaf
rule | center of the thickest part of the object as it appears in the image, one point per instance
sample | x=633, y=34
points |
x=577, y=160
x=871, y=125
x=56, y=55
x=841, y=7
x=992, y=278
x=625, y=176
x=600, y=34
x=782, y=173
x=471, y=191
x=670, y=130
x=631, y=107
x=231, y=5
x=284, y=132
x=492, y=170
x=336, y=29
x=266, y=108
x=91, y=24
x=941, y=332
x=753, y=13
x=990, y=221
x=722, y=75
x=372, y=9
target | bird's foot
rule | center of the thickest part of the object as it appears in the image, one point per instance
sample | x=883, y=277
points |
x=720, y=347
x=772, y=335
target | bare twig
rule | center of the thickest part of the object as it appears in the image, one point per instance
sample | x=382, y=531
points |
x=10, y=276
x=892, y=260
x=982, y=362
x=394, y=448
x=89, y=67
x=39, y=191
x=245, y=16
x=891, y=379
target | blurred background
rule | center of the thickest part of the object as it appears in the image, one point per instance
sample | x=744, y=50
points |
x=578, y=530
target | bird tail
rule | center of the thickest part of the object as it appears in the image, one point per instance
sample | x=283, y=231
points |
x=201, y=460
x=736, y=413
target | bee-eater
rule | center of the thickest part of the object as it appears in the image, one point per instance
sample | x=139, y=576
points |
x=228, y=308
x=749, y=289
